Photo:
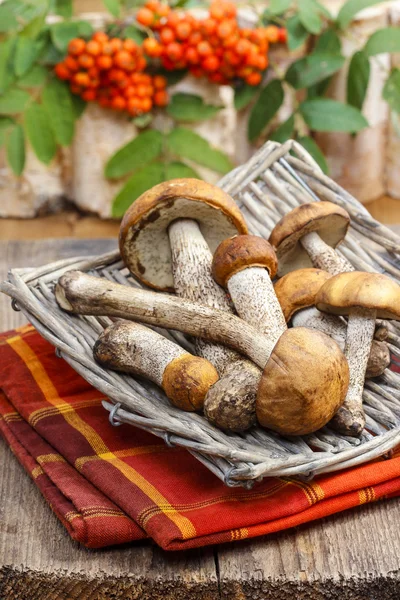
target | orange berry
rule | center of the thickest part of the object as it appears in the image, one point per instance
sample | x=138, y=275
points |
x=146, y=104
x=124, y=60
x=141, y=64
x=217, y=11
x=204, y=49
x=153, y=5
x=123, y=83
x=217, y=78
x=115, y=44
x=82, y=79
x=163, y=10
x=167, y=35
x=195, y=38
x=62, y=72
x=71, y=63
x=161, y=98
x=130, y=46
x=86, y=61
x=141, y=90
x=252, y=59
x=75, y=89
x=173, y=19
x=152, y=47
x=232, y=58
x=174, y=51
x=116, y=75
x=210, y=63
x=76, y=46
x=231, y=40
x=104, y=102
x=272, y=34
x=243, y=47
x=226, y=28
x=119, y=103
x=100, y=37
x=282, y=36
x=253, y=78
x=107, y=48
x=262, y=63
x=93, y=48
x=149, y=90
x=208, y=26
x=196, y=72
x=89, y=95
x=145, y=17
x=183, y=30
x=192, y=56
x=104, y=62
x=114, y=92
x=93, y=73
x=136, y=78
x=159, y=82
x=130, y=91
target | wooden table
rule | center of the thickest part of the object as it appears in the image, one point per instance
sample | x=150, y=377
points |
x=354, y=555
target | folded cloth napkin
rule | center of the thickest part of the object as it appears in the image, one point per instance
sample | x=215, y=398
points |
x=109, y=485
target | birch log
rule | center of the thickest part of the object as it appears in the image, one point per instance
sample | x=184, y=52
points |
x=358, y=162
x=393, y=141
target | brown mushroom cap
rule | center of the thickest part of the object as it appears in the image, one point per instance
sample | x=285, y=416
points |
x=143, y=237
x=298, y=289
x=186, y=381
x=327, y=219
x=358, y=289
x=237, y=253
x=303, y=384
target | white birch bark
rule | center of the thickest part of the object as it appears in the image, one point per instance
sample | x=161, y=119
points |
x=393, y=141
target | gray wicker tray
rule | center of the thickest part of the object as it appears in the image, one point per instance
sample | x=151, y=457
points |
x=274, y=181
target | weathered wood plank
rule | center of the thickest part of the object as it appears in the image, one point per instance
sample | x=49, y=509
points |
x=38, y=560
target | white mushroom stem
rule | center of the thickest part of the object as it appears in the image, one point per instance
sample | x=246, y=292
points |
x=350, y=418
x=84, y=294
x=336, y=327
x=323, y=256
x=191, y=265
x=255, y=301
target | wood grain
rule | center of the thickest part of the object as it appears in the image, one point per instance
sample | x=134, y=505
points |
x=350, y=556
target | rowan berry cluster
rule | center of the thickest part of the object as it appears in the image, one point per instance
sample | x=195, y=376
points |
x=110, y=72
x=215, y=47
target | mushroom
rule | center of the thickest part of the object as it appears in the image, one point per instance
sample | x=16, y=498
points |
x=294, y=396
x=307, y=236
x=134, y=348
x=296, y=292
x=167, y=238
x=363, y=297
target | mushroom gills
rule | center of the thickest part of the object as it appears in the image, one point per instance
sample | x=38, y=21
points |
x=323, y=256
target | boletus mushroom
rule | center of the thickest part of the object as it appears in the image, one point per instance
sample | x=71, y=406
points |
x=134, y=348
x=307, y=237
x=362, y=297
x=294, y=396
x=296, y=292
x=166, y=240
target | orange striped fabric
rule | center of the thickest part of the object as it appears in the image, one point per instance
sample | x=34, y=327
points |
x=113, y=485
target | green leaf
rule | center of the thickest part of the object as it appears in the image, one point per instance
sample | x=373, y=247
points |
x=143, y=120
x=244, y=95
x=189, y=107
x=113, y=6
x=39, y=133
x=6, y=124
x=357, y=79
x=278, y=7
x=178, y=170
x=25, y=55
x=312, y=148
x=141, y=151
x=135, y=34
x=34, y=27
x=36, y=77
x=313, y=68
x=13, y=101
x=309, y=15
x=62, y=8
x=391, y=90
x=324, y=114
x=328, y=41
x=139, y=183
x=78, y=105
x=15, y=146
x=7, y=76
x=57, y=102
x=351, y=8
x=284, y=132
x=8, y=20
x=85, y=29
x=188, y=144
x=267, y=105
x=297, y=34
x=383, y=40
x=62, y=33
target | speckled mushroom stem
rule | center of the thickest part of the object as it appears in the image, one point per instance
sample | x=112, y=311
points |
x=336, y=328
x=83, y=294
x=323, y=256
x=350, y=418
x=255, y=301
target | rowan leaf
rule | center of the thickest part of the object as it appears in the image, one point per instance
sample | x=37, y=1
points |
x=357, y=79
x=63, y=8
x=188, y=144
x=8, y=19
x=309, y=16
x=315, y=151
x=297, y=34
x=278, y=7
x=40, y=133
x=35, y=77
x=324, y=114
x=15, y=148
x=284, y=132
x=58, y=104
x=311, y=69
x=351, y=8
x=382, y=41
x=189, y=107
x=141, y=151
x=266, y=107
x=7, y=75
x=13, y=101
x=177, y=170
x=6, y=124
x=244, y=95
x=26, y=53
x=328, y=41
x=113, y=6
x=142, y=180
x=62, y=33
x=391, y=90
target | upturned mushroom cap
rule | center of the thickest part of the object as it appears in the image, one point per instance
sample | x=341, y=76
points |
x=358, y=289
x=187, y=380
x=297, y=290
x=240, y=252
x=143, y=238
x=303, y=384
x=327, y=219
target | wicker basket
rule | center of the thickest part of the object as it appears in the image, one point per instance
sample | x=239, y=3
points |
x=274, y=181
